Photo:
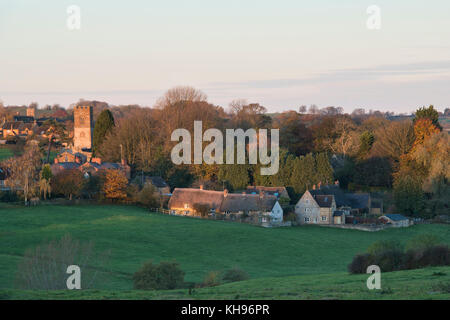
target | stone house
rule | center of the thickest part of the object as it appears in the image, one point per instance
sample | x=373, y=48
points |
x=17, y=128
x=318, y=209
x=67, y=155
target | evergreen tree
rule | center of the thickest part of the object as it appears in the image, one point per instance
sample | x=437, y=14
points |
x=428, y=113
x=324, y=171
x=103, y=125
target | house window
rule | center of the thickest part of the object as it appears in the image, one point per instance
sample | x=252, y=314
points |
x=186, y=206
x=307, y=209
x=306, y=219
x=307, y=201
x=324, y=218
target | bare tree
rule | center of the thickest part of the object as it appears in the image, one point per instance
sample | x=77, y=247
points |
x=180, y=94
x=44, y=267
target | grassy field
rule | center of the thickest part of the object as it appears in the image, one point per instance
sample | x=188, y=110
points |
x=5, y=153
x=270, y=256
x=430, y=283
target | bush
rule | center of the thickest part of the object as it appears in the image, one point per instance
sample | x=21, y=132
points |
x=389, y=260
x=146, y=196
x=422, y=241
x=389, y=257
x=235, y=274
x=360, y=263
x=9, y=196
x=212, y=279
x=435, y=256
x=382, y=246
x=166, y=275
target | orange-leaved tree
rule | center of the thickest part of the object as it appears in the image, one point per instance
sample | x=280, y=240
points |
x=115, y=185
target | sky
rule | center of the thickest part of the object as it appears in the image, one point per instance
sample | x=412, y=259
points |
x=281, y=54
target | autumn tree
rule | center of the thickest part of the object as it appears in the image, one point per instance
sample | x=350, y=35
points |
x=423, y=129
x=69, y=183
x=394, y=140
x=428, y=113
x=115, y=185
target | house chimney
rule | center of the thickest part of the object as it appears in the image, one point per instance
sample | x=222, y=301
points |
x=225, y=193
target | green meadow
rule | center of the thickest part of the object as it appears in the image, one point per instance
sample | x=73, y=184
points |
x=297, y=262
x=5, y=153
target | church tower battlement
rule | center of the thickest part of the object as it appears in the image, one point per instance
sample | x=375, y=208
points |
x=83, y=128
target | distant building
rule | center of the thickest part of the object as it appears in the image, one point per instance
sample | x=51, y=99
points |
x=158, y=183
x=31, y=112
x=80, y=156
x=330, y=205
x=83, y=129
x=396, y=220
x=264, y=208
x=17, y=129
x=279, y=192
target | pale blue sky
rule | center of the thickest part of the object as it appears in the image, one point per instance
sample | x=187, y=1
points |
x=282, y=53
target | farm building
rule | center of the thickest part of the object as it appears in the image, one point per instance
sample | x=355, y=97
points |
x=396, y=220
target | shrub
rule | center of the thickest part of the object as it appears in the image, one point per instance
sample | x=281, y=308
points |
x=389, y=260
x=212, y=279
x=382, y=246
x=9, y=196
x=235, y=274
x=146, y=196
x=166, y=275
x=435, y=256
x=422, y=241
x=360, y=263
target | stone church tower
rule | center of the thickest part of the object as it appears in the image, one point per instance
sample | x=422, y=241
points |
x=83, y=128
x=31, y=111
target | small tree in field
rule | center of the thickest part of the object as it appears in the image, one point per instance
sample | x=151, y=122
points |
x=44, y=267
x=45, y=181
x=115, y=185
